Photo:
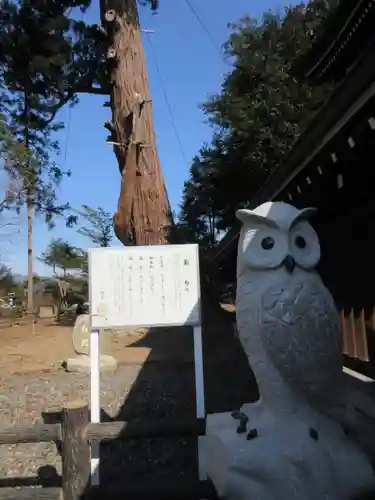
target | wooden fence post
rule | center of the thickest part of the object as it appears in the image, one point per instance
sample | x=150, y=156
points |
x=75, y=451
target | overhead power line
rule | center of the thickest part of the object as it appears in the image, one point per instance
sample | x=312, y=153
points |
x=163, y=88
x=69, y=121
x=204, y=27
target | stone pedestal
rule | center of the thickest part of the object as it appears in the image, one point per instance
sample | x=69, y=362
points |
x=81, y=345
x=271, y=458
x=81, y=364
x=46, y=312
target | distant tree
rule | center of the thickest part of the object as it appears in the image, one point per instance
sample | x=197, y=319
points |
x=6, y=279
x=12, y=149
x=85, y=266
x=60, y=254
x=36, y=279
x=8, y=221
x=46, y=58
x=198, y=221
x=99, y=228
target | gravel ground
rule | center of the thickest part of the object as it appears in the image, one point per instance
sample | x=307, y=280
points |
x=162, y=390
x=23, y=399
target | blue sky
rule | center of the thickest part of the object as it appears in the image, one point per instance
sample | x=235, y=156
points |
x=191, y=67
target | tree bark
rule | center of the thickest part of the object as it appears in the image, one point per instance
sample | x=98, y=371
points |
x=29, y=210
x=143, y=212
x=30, y=281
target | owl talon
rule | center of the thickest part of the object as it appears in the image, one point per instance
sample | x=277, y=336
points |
x=252, y=434
x=313, y=433
x=239, y=415
x=242, y=428
x=236, y=414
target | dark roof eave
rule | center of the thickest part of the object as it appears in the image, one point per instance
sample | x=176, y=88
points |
x=329, y=41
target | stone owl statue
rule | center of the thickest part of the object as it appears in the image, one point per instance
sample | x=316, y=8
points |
x=286, y=317
x=292, y=442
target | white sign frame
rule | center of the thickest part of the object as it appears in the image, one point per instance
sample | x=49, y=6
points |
x=97, y=316
x=95, y=351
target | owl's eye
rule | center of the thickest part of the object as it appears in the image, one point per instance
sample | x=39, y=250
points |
x=268, y=243
x=300, y=242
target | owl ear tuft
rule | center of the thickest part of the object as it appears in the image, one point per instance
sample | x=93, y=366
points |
x=307, y=213
x=304, y=214
x=244, y=215
x=249, y=217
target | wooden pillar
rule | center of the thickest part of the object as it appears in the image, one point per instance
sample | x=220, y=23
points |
x=75, y=451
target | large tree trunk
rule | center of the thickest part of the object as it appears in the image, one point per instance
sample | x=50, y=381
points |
x=143, y=213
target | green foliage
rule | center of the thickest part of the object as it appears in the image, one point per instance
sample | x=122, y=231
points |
x=60, y=254
x=6, y=279
x=259, y=113
x=100, y=226
x=17, y=151
x=46, y=58
x=36, y=279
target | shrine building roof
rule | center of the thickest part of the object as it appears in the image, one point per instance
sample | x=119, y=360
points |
x=341, y=39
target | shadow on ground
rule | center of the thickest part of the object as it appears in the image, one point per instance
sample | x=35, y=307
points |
x=47, y=477
x=165, y=389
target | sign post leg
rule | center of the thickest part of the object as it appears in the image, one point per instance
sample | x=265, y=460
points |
x=95, y=403
x=199, y=389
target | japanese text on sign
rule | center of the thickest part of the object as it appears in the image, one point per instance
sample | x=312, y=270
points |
x=144, y=286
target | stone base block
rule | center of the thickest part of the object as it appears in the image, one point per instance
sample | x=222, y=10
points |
x=81, y=364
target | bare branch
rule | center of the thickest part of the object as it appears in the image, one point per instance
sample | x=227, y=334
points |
x=92, y=90
x=80, y=88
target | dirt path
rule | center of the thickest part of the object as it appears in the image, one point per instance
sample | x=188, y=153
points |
x=43, y=347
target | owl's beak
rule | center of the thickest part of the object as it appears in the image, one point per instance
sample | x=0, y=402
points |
x=289, y=263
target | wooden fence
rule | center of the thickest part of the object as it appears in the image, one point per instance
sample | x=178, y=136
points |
x=73, y=436
x=355, y=326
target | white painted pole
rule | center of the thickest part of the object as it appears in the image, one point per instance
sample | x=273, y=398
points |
x=199, y=378
x=95, y=403
x=199, y=391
